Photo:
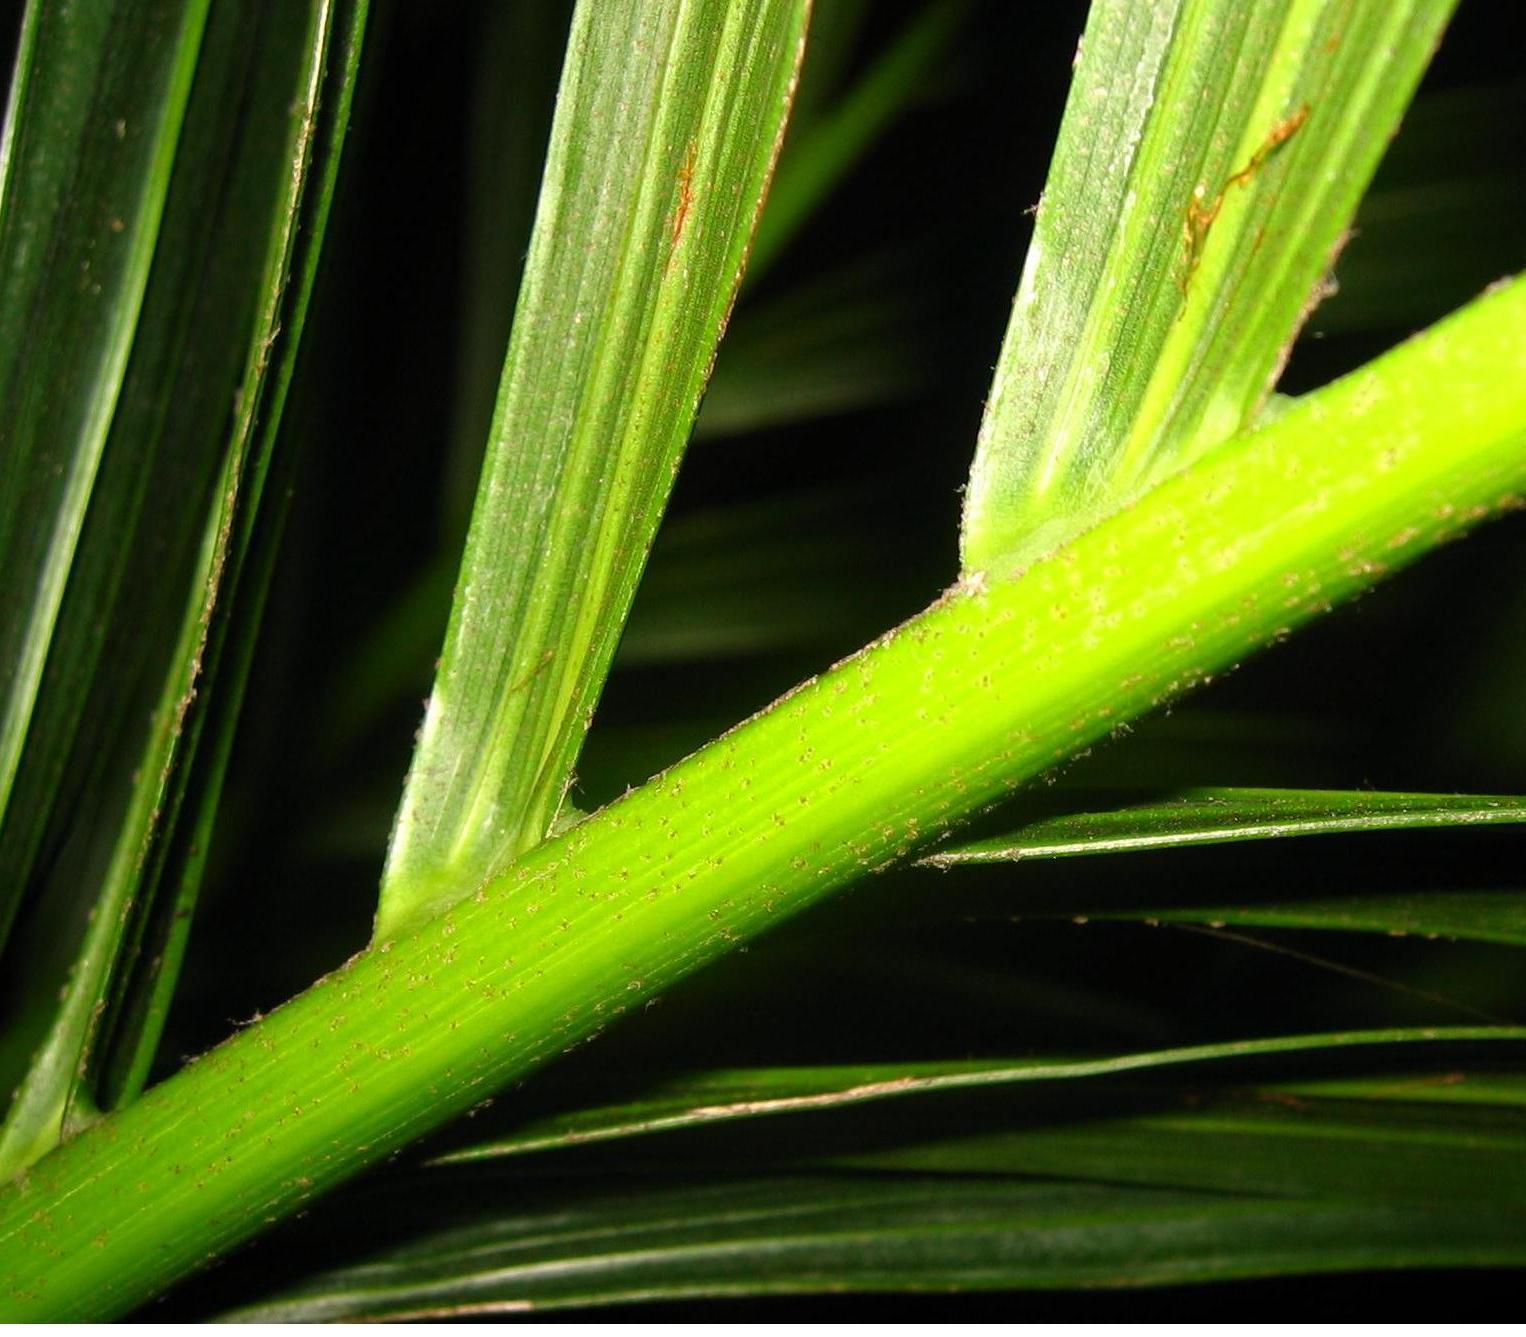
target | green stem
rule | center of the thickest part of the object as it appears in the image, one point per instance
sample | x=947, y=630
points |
x=992, y=685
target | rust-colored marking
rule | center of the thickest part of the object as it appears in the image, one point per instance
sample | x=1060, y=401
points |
x=1202, y=211
x=1283, y=131
x=685, y=193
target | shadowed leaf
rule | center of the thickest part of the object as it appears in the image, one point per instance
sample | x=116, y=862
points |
x=834, y=1232
x=1222, y=816
x=106, y=826
x=723, y=1097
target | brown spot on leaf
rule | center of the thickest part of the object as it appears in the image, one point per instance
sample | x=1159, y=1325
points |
x=685, y=203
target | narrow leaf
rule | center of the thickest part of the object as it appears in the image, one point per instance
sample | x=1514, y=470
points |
x=1485, y=916
x=1271, y=1140
x=94, y=114
x=125, y=1040
x=1211, y=158
x=157, y=583
x=723, y=1097
x=1179, y=1122
x=1220, y=816
x=667, y=123
x=841, y=1232
x=1225, y=816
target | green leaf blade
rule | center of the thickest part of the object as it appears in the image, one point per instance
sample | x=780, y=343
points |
x=1207, y=1128
x=668, y=122
x=704, y=1099
x=1497, y=916
x=157, y=585
x=1231, y=816
x=323, y=65
x=830, y=1233
x=1221, y=816
x=1270, y=1140
x=1210, y=161
x=98, y=97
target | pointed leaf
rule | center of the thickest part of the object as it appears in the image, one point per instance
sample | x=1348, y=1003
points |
x=723, y=1097
x=1380, y=1152
x=1220, y=816
x=1276, y=1140
x=1224, y=816
x=1485, y=916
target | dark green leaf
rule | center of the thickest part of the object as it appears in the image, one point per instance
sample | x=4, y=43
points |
x=837, y=1232
x=92, y=123
x=106, y=827
x=1221, y=816
x=723, y=1097
x=1487, y=916
x=1275, y=1140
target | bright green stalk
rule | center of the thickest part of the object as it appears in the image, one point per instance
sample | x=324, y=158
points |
x=992, y=685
